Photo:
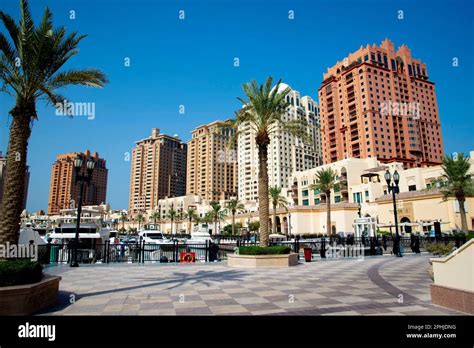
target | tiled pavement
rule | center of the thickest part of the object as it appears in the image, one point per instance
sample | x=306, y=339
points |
x=375, y=286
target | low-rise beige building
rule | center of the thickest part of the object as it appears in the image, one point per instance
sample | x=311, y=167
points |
x=361, y=185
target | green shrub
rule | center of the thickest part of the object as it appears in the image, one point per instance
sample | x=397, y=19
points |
x=257, y=250
x=19, y=272
x=440, y=249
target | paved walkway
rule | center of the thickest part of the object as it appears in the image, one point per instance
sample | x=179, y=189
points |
x=382, y=285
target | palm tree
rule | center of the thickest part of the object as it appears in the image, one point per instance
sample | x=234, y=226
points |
x=172, y=214
x=140, y=218
x=458, y=184
x=29, y=71
x=278, y=200
x=216, y=213
x=326, y=182
x=191, y=215
x=123, y=218
x=234, y=206
x=207, y=218
x=155, y=216
x=262, y=113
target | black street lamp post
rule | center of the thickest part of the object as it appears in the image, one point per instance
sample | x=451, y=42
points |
x=358, y=210
x=394, y=189
x=86, y=178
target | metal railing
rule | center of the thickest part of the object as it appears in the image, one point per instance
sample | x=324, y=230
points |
x=141, y=252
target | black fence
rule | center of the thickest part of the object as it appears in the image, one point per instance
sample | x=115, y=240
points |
x=141, y=252
x=174, y=251
x=366, y=246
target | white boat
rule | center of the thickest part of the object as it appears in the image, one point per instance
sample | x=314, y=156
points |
x=30, y=236
x=200, y=235
x=92, y=231
x=152, y=237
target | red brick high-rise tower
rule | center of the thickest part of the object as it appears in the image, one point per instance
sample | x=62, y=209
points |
x=379, y=102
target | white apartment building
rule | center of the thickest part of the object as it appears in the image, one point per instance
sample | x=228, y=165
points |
x=286, y=153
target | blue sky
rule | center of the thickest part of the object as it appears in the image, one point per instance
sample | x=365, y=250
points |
x=190, y=62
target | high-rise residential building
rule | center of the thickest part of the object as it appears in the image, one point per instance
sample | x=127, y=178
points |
x=64, y=191
x=158, y=171
x=212, y=163
x=378, y=102
x=286, y=153
x=3, y=166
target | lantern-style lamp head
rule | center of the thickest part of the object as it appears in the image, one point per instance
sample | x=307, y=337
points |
x=396, y=177
x=78, y=162
x=388, y=177
x=90, y=165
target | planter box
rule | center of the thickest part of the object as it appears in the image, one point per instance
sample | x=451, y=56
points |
x=29, y=298
x=262, y=261
x=459, y=300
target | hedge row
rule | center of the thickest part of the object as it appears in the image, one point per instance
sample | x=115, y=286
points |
x=20, y=272
x=271, y=250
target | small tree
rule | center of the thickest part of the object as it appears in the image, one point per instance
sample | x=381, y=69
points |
x=234, y=206
x=229, y=229
x=191, y=215
x=277, y=200
x=325, y=182
x=155, y=216
x=254, y=226
x=140, y=218
x=172, y=215
x=216, y=213
x=123, y=218
x=458, y=184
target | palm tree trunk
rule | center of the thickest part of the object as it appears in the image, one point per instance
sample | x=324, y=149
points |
x=189, y=225
x=462, y=212
x=172, y=222
x=328, y=215
x=14, y=183
x=263, y=198
x=215, y=227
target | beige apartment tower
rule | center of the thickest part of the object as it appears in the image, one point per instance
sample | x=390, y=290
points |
x=379, y=102
x=158, y=171
x=212, y=164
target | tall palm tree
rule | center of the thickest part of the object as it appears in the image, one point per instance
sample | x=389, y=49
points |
x=234, y=206
x=140, y=218
x=325, y=182
x=191, y=215
x=172, y=215
x=216, y=213
x=277, y=200
x=262, y=112
x=458, y=184
x=30, y=61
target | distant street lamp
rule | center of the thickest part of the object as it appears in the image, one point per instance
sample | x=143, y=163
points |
x=78, y=161
x=394, y=189
x=289, y=224
x=358, y=210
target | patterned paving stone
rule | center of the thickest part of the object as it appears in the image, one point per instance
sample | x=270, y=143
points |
x=329, y=287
